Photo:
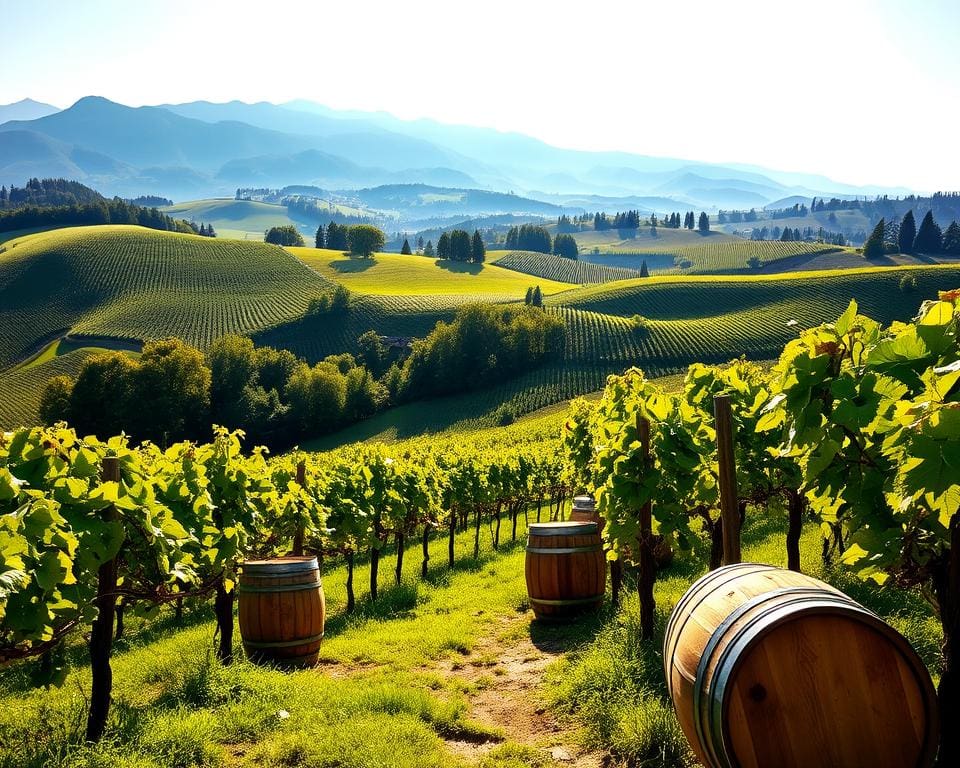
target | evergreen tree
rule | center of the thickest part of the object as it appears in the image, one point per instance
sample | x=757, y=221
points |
x=405, y=250
x=320, y=240
x=565, y=246
x=528, y=300
x=873, y=247
x=703, y=225
x=337, y=236
x=536, y=299
x=951, y=240
x=478, y=251
x=420, y=244
x=460, y=245
x=644, y=272
x=428, y=248
x=443, y=246
x=907, y=234
x=787, y=235
x=929, y=237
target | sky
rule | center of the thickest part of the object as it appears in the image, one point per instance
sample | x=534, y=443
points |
x=863, y=91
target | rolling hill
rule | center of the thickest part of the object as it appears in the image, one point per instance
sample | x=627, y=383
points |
x=129, y=283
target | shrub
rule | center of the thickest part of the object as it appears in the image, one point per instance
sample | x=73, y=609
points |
x=286, y=235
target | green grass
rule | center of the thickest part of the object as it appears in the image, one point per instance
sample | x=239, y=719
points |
x=134, y=283
x=614, y=687
x=666, y=239
x=391, y=274
x=379, y=697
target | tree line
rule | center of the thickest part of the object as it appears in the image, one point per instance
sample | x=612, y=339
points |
x=44, y=193
x=175, y=391
x=459, y=245
x=905, y=237
x=114, y=211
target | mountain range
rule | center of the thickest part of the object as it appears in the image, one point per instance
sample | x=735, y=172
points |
x=202, y=149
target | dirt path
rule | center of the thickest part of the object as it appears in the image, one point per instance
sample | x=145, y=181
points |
x=502, y=677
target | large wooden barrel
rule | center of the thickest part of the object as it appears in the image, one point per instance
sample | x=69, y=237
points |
x=565, y=569
x=282, y=610
x=768, y=667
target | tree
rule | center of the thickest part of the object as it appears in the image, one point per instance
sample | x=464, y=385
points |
x=337, y=237
x=565, y=246
x=951, y=240
x=644, y=272
x=287, y=236
x=365, y=239
x=443, y=246
x=372, y=352
x=478, y=251
x=703, y=225
x=528, y=299
x=907, y=234
x=317, y=397
x=320, y=240
x=873, y=247
x=233, y=366
x=405, y=248
x=428, y=248
x=460, y=249
x=420, y=244
x=536, y=300
x=101, y=395
x=929, y=237
x=55, y=400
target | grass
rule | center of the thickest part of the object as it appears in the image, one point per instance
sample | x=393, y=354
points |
x=240, y=219
x=375, y=700
x=392, y=274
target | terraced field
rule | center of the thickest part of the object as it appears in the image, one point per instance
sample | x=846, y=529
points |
x=129, y=282
x=391, y=274
x=20, y=388
x=550, y=267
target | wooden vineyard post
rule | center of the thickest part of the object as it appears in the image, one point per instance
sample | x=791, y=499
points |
x=298, y=535
x=648, y=566
x=101, y=631
x=726, y=460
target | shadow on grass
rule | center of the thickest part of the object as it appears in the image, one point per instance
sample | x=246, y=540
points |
x=352, y=264
x=459, y=267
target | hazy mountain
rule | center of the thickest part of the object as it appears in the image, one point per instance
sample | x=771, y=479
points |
x=151, y=136
x=26, y=154
x=25, y=109
x=421, y=201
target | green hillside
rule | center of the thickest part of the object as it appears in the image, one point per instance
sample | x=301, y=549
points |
x=129, y=282
x=241, y=219
x=394, y=274
x=550, y=267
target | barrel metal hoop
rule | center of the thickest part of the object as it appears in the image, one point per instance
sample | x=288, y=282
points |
x=564, y=550
x=571, y=601
x=568, y=528
x=716, y=637
x=283, y=643
x=255, y=568
x=672, y=631
x=249, y=589
x=764, y=623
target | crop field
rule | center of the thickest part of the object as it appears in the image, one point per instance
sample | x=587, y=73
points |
x=20, y=388
x=717, y=257
x=394, y=274
x=129, y=282
x=665, y=240
x=563, y=270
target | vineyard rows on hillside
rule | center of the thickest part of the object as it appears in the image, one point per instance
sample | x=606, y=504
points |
x=133, y=283
x=563, y=270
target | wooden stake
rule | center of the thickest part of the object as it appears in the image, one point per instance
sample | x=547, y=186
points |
x=648, y=565
x=299, y=534
x=101, y=631
x=729, y=513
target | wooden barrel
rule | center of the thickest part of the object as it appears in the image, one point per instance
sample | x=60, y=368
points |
x=282, y=610
x=584, y=510
x=768, y=667
x=565, y=569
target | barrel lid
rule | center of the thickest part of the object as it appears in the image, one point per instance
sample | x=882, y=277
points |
x=280, y=565
x=584, y=502
x=565, y=528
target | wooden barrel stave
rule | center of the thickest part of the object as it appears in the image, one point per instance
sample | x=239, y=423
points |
x=565, y=569
x=767, y=667
x=282, y=610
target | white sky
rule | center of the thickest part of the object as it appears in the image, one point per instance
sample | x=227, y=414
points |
x=865, y=91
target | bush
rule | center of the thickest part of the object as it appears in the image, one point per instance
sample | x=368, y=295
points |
x=908, y=284
x=286, y=235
